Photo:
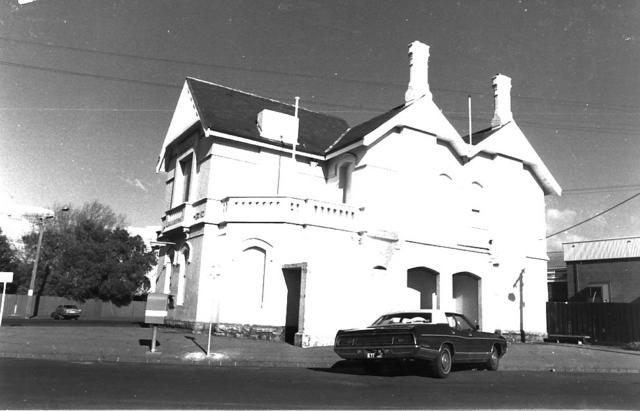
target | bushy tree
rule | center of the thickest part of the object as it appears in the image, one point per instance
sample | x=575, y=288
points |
x=86, y=253
x=8, y=259
x=7, y=254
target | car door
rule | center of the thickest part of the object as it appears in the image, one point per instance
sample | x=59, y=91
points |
x=478, y=345
x=462, y=336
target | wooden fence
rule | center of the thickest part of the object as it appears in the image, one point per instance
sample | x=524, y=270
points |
x=602, y=322
x=16, y=305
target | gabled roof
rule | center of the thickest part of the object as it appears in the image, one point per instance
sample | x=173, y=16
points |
x=358, y=132
x=226, y=110
x=221, y=109
x=509, y=140
x=479, y=136
x=235, y=112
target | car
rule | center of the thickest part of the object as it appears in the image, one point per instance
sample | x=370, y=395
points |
x=66, y=312
x=431, y=339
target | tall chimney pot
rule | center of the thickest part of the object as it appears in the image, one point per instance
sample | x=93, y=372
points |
x=418, y=72
x=501, y=100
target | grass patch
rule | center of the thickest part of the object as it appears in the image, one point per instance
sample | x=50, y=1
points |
x=633, y=346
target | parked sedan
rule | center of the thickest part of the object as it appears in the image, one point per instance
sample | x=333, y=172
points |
x=433, y=338
x=66, y=312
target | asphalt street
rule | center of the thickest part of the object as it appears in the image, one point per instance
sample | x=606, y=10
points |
x=29, y=384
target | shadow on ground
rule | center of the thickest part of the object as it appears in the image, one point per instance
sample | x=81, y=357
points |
x=399, y=369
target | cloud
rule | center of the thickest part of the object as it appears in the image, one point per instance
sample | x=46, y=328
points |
x=148, y=233
x=13, y=217
x=558, y=220
x=135, y=183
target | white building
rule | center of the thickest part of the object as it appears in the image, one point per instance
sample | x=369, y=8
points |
x=293, y=226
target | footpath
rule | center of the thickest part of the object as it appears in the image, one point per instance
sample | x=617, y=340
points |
x=132, y=343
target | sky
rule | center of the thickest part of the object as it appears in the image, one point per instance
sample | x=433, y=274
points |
x=88, y=87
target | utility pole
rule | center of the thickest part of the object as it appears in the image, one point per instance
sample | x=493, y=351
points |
x=32, y=283
x=41, y=220
x=520, y=281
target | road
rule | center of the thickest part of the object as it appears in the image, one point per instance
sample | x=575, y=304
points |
x=51, y=384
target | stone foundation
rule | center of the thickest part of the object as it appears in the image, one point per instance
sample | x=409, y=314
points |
x=514, y=336
x=254, y=332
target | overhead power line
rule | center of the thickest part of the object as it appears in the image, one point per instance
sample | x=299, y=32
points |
x=92, y=75
x=594, y=216
x=574, y=103
x=601, y=189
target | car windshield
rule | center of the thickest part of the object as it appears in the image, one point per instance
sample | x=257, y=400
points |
x=403, y=318
x=70, y=306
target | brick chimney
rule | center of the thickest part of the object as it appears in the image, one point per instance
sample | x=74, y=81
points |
x=418, y=72
x=501, y=100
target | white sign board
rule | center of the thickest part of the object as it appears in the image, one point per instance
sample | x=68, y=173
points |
x=5, y=277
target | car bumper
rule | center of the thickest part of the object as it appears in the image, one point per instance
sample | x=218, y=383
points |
x=400, y=352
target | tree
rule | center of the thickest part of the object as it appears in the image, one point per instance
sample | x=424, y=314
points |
x=7, y=254
x=86, y=253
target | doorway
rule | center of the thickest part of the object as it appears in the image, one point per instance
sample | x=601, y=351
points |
x=293, y=280
x=466, y=294
x=425, y=281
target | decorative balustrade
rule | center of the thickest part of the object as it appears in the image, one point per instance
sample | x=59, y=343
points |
x=263, y=210
x=175, y=216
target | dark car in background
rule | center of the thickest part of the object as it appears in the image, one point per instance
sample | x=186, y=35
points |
x=432, y=339
x=66, y=312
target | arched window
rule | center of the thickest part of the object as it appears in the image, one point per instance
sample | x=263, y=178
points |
x=254, y=264
x=168, y=271
x=183, y=260
x=345, y=171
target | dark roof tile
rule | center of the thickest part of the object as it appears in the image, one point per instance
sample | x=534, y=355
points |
x=235, y=112
x=358, y=132
x=479, y=136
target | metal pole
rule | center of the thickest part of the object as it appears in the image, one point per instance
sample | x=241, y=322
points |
x=32, y=283
x=522, y=336
x=153, y=338
x=209, y=341
x=4, y=288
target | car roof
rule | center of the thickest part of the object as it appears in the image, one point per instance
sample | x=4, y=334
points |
x=437, y=315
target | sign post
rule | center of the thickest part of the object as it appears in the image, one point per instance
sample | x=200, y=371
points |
x=155, y=313
x=5, y=277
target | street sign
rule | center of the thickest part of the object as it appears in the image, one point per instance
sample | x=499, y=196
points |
x=156, y=309
x=5, y=277
x=154, y=313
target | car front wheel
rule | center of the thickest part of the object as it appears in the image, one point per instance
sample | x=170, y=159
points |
x=441, y=366
x=494, y=359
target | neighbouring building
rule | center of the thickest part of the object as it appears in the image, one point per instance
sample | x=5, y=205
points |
x=557, y=277
x=603, y=270
x=285, y=223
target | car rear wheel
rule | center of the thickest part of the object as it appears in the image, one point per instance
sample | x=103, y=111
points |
x=441, y=366
x=493, y=362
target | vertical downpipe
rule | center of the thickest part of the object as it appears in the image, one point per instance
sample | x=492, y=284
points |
x=470, y=132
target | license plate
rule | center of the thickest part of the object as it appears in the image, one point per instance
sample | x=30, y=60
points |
x=374, y=354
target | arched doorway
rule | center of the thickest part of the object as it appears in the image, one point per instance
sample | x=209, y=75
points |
x=425, y=281
x=466, y=294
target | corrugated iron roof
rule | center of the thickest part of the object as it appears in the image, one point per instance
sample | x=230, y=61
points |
x=609, y=249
